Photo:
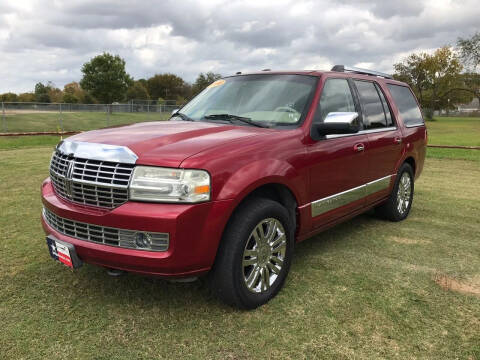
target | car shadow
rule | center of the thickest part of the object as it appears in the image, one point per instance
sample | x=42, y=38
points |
x=142, y=291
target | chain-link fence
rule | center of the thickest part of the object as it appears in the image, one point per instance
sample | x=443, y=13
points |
x=29, y=117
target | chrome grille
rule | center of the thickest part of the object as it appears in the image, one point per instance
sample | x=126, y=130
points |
x=90, y=182
x=104, y=235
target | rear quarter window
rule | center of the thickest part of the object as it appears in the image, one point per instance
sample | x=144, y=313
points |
x=407, y=106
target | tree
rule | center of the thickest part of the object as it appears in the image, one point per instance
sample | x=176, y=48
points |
x=167, y=86
x=469, y=50
x=54, y=93
x=137, y=91
x=105, y=78
x=203, y=80
x=9, y=97
x=41, y=93
x=27, y=97
x=432, y=77
x=73, y=93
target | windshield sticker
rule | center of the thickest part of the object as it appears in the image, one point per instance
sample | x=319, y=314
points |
x=216, y=83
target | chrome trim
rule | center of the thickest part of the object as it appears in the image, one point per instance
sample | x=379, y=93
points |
x=377, y=185
x=341, y=117
x=363, y=132
x=90, y=182
x=264, y=255
x=104, y=235
x=415, y=125
x=335, y=201
x=94, y=151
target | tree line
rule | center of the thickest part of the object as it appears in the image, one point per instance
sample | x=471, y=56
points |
x=105, y=81
x=448, y=77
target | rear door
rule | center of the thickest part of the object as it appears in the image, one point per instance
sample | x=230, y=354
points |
x=384, y=140
x=338, y=164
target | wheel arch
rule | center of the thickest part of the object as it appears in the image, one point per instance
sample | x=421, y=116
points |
x=411, y=161
x=273, y=190
x=278, y=192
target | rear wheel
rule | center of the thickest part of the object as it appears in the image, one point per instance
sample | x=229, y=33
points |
x=400, y=201
x=255, y=254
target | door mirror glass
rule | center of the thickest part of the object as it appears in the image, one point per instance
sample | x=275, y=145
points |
x=338, y=123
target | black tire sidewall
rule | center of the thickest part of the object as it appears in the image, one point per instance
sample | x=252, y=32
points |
x=236, y=238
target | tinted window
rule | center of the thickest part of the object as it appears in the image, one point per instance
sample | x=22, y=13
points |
x=386, y=108
x=374, y=116
x=336, y=97
x=406, y=104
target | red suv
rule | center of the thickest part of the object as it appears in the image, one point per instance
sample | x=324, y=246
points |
x=253, y=164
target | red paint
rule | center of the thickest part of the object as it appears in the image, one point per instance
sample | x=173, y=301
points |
x=239, y=159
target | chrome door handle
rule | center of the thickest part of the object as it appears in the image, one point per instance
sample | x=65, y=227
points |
x=397, y=140
x=359, y=147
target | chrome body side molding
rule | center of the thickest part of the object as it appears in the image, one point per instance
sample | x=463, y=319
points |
x=377, y=185
x=362, y=132
x=94, y=151
x=335, y=201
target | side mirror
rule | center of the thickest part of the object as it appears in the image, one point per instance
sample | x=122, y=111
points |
x=174, y=111
x=337, y=123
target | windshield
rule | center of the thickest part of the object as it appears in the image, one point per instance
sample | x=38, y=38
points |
x=266, y=100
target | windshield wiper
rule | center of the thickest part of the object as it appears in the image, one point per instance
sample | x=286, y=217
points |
x=182, y=116
x=231, y=117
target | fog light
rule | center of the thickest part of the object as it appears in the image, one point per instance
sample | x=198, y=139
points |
x=143, y=240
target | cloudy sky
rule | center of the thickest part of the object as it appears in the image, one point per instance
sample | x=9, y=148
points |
x=50, y=40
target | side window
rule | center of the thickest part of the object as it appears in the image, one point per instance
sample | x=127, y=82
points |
x=406, y=104
x=386, y=108
x=336, y=97
x=374, y=115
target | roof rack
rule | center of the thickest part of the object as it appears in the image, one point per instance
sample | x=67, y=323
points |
x=343, y=68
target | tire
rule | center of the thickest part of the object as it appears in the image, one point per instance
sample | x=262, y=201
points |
x=250, y=269
x=400, y=201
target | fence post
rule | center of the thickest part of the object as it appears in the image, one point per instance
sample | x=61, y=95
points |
x=61, y=118
x=108, y=114
x=4, y=121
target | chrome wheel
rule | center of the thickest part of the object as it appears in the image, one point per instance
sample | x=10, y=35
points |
x=264, y=255
x=404, y=193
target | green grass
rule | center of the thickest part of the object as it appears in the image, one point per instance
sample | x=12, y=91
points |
x=463, y=154
x=462, y=131
x=74, y=121
x=364, y=289
x=17, y=142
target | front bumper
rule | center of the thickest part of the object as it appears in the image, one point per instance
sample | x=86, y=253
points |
x=194, y=232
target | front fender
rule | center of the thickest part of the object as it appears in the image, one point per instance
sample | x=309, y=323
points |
x=261, y=172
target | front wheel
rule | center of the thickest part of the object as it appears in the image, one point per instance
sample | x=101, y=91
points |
x=255, y=254
x=400, y=201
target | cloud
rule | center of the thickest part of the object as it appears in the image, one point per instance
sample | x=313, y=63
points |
x=44, y=40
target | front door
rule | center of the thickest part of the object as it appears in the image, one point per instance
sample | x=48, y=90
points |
x=339, y=165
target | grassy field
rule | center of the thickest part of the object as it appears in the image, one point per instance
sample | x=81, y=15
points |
x=74, y=121
x=365, y=289
x=462, y=131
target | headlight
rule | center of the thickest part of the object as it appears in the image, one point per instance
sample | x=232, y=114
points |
x=169, y=185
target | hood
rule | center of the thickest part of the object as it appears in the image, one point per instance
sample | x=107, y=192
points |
x=168, y=143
